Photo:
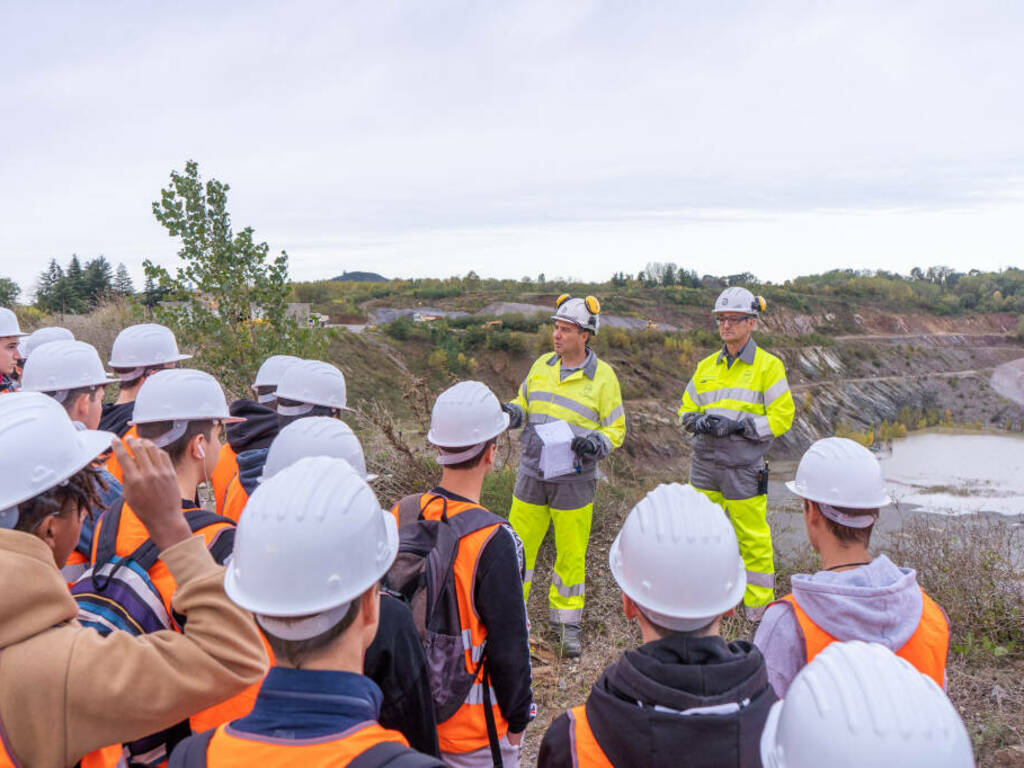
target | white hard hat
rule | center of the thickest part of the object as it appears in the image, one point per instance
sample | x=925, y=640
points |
x=315, y=436
x=582, y=312
x=857, y=704
x=842, y=473
x=58, y=366
x=9, y=324
x=273, y=368
x=740, y=300
x=42, y=336
x=465, y=415
x=311, y=382
x=139, y=346
x=180, y=395
x=45, y=448
x=677, y=558
x=312, y=539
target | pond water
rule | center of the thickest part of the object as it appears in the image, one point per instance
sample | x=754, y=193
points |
x=954, y=473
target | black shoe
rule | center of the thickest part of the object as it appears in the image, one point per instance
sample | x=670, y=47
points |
x=568, y=636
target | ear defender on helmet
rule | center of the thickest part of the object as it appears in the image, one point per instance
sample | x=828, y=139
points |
x=561, y=300
x=593, y=305
x=759, y=305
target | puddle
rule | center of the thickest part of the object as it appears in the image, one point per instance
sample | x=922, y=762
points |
x=956, y=474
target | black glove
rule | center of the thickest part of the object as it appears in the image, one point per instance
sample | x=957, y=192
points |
x=725, y=427
x=508, y=408
x=585, y=446
x=705, y=424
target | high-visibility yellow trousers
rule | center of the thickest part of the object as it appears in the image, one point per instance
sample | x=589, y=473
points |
x=750, y=520
x=572, y=534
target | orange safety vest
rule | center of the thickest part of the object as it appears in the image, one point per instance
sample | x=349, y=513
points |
x=227, y=468
x=235, y=499
x=130, y=535
x=466, y=730
x=926, y=649
x=108, y=757
x=113, y=465
x=229, y=748
x=586, y=752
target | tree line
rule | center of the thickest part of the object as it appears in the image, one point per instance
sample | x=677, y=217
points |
x=80, y=288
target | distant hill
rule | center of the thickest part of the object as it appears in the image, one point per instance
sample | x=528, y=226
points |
x=360, y=277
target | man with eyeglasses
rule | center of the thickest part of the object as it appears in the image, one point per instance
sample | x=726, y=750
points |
x=737, y=402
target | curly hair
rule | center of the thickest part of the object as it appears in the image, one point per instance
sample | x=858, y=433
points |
x=83, y=488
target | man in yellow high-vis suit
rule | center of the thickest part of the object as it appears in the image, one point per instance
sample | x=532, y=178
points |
x=571, y=385
x=737, y=402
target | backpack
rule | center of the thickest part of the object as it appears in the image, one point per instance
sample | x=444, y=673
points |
x=117, y=593
x=423, y=575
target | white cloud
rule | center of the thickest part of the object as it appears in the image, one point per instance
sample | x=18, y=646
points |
x=817, y=135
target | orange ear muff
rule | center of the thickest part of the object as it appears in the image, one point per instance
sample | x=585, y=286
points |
x=593, y=305
x=561, y=300
x=760, y=304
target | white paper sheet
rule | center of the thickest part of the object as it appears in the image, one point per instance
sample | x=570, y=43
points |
x=556, y=456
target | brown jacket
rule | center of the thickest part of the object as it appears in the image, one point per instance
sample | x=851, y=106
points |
x=66, y=691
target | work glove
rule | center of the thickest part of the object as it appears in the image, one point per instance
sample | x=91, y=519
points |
x=585, y=446
x=509, y=409
x=725, y=427
x=705, y=424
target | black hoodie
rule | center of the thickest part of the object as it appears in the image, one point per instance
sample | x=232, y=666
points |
x=257, y=431
x=115, y=417
x=676, y=674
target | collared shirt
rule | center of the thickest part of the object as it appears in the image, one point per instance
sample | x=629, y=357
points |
x=588, y=366
x=308, y=703
x=746, y=354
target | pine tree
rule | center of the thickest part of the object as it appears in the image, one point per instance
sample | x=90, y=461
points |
x=48, y=286
x=123, y=285
x=97, y=281
x=75, y=294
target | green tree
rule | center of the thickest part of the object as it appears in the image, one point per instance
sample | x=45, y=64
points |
x=54, y=292
x=229, y=297
x=76, y=292
x=9, y=291
x=122, y=284
x=97, y=281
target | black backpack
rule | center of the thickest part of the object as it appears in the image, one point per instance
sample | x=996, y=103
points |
x=423, y=575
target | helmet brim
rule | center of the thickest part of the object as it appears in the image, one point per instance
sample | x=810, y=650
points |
x=797, y=489
x=91, y=443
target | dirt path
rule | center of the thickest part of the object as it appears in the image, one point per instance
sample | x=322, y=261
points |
x=1008, y=380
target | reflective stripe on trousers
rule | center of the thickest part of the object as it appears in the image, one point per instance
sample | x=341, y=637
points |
x=572, y=533
x=749, y=518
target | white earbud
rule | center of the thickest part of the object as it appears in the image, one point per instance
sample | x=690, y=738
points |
x=199, y=448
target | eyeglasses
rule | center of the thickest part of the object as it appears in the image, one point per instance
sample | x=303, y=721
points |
x=731, y=320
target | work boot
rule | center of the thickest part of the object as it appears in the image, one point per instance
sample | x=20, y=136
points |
x=568, y=635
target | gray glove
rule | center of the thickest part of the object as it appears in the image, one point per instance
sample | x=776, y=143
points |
x=725, y=427
x=704, y=424
x=585, y=446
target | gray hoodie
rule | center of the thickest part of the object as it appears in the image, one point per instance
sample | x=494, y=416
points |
x=876, y=603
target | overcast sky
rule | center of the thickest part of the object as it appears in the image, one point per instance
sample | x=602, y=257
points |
x=570, y=138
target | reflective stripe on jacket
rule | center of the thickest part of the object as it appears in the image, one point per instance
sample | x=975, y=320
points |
x=586, y=752
x=113, y=466
x=227, y=468
x=754, y=392
x=588, y=399
x=229, y=747
x=466, y=730
x=926, y=649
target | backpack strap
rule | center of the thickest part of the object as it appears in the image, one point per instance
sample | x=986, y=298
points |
x=492, y=728
x=472, y=520
x=146, y=554
x=409, y=510
x=191, y=753
x=391, y=754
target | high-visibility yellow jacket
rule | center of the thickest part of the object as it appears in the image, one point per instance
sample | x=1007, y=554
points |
x=588, y=399
x=753, y=390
